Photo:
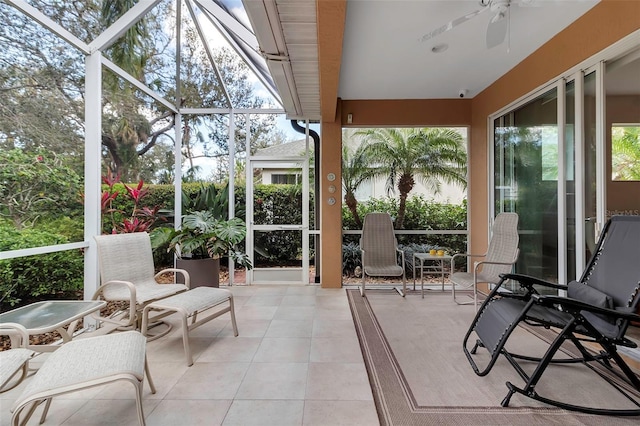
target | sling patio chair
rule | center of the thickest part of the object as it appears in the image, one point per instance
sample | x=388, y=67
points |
x=500, y=257
x=595, y=314
x=127, y=275
x=379, y=248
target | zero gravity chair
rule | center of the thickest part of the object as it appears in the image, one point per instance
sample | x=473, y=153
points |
x=595, y=313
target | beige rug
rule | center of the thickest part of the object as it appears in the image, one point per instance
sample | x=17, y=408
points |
x=419, y=375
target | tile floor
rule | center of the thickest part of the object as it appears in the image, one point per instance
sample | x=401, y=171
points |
x=296, y=362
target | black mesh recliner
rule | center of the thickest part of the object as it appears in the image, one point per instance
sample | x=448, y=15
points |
x=596, y=313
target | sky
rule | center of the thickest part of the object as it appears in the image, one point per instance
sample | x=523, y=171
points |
x=216, y=40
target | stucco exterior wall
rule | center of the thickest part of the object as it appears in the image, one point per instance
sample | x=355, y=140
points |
x=600, y=27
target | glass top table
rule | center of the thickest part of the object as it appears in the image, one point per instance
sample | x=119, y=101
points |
x=437, y=265
x=47, y=316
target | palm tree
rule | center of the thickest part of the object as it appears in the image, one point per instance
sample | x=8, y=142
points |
x=626, y=153
x=432, y=155
x=356, y=169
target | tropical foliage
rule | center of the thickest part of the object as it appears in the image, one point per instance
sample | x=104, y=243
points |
x=43, y=85
x=356, y=170
x=118, y=221
x=625, y=153
x=201, y=235
x=404, y=155
x=33, y=185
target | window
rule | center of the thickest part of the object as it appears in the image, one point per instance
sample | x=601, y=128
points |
x=290, y=179
x=625, y=152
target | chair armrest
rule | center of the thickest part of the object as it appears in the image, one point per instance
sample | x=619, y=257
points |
x=488, y=262
x=528, y=281
x=493, y=262
x=132, y=300
x=569, y=304
x=15, y=331
x=468, y=255
x=453, y=258
x=185, y=274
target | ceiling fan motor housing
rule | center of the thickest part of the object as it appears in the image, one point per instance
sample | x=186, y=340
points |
x=499, y=6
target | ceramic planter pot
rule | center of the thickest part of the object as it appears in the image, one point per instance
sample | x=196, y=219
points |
x=203, y=272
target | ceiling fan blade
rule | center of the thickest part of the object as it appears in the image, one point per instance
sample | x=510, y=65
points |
x=529, y=3
x=451, y=25
x=497, y=30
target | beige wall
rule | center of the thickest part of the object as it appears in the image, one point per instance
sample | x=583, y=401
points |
x=409, y=112
x=605, y=24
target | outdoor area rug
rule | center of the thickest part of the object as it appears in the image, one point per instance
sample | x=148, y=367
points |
x=419, y=375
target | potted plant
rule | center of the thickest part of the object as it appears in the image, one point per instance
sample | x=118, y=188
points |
x=199, y=244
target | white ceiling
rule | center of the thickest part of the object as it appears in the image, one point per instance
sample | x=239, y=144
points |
x=384, y=58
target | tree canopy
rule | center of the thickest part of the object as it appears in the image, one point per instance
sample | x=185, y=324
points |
x=42, y=90
x=404, y=154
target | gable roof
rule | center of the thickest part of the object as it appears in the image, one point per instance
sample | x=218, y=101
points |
x=288, y=149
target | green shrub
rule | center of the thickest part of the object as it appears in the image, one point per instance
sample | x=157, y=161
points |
x=421, y=214
x=351, y=258
x=51, y=275
x=275, y=205
x=71, y=228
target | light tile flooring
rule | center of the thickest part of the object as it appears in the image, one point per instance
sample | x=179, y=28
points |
x=297, y=361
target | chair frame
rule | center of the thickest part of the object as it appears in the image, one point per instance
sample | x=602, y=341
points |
x=363, y=252
x=476, y=271
x=79, y=351
x=575, y=328
x=477, y=265
x=19, y=356
x=132, y=318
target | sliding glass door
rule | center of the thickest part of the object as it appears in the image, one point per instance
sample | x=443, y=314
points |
x=567, y=159
x=593, y=149
x=526, y=180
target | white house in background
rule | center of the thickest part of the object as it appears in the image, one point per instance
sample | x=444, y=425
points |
x=449, y=193
x=282, y=173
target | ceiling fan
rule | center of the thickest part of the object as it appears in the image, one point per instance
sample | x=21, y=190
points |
x=498, y=24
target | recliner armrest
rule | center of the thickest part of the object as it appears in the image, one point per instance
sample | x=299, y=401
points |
x=529, y=281
x=567, y=302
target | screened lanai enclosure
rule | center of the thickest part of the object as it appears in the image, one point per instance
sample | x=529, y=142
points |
x=167, y=97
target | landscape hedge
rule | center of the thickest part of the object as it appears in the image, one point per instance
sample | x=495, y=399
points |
x=60, y=274
x=50, y=276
